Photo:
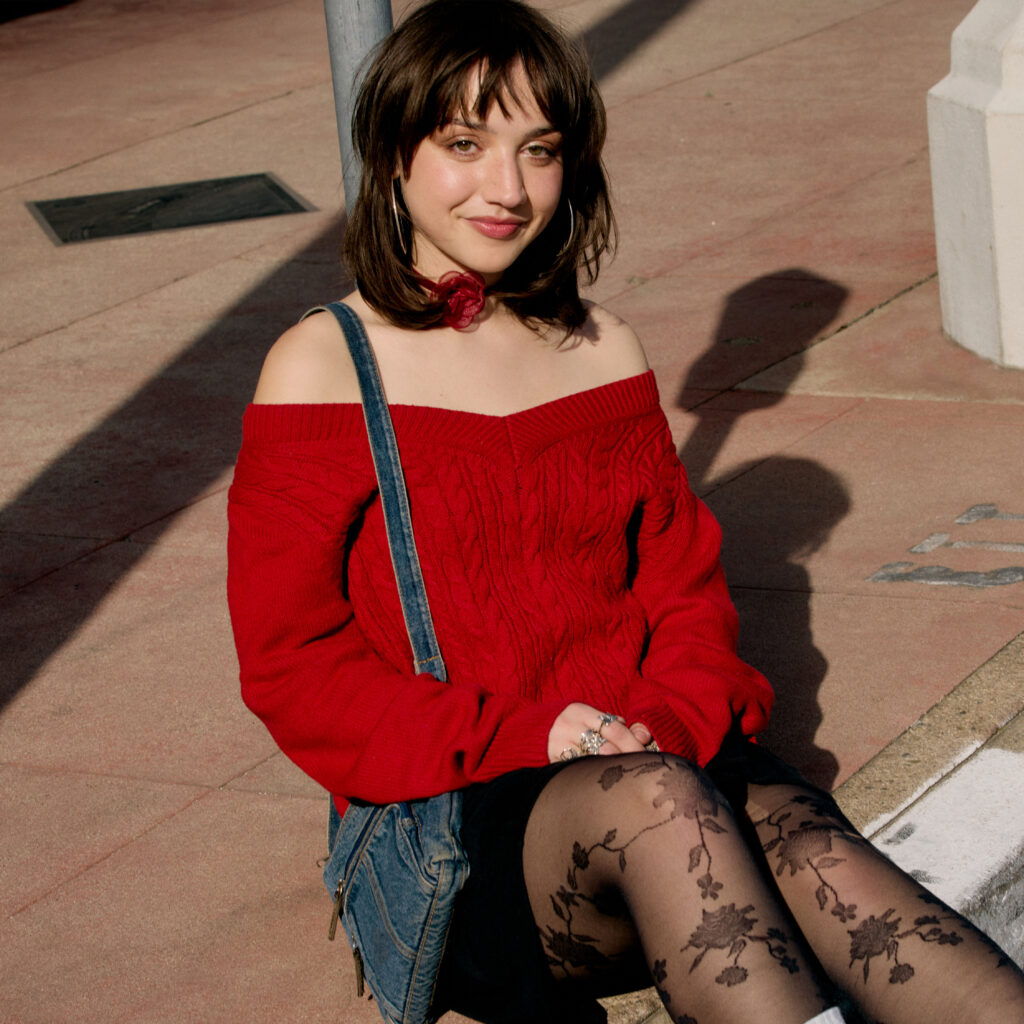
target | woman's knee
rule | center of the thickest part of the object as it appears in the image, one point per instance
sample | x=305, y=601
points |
x=640, y=788
x=670, y=786
x=609, y=809
x=796, y=828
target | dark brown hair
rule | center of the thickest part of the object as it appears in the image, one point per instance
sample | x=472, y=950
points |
x=416, y=83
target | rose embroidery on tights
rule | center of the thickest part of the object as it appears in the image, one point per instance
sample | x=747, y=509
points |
x=721, y=929
x=732, y=929
x=809, y=844
x=881, y=935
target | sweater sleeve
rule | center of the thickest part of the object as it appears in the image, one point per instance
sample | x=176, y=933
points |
x=351, y=719
x=692, y=688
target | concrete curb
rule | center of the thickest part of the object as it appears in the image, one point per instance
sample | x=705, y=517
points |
x=954, y=775
x=937, y=743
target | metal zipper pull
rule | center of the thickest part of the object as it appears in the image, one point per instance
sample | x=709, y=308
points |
x=335, y=912
x=357, y=956
x=333, y=930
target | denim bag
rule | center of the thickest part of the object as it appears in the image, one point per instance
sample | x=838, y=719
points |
x=394, y=870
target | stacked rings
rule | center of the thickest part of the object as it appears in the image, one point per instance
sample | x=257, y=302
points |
x=591, y=740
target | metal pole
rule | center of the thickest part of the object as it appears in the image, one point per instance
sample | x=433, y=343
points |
x=354, y=27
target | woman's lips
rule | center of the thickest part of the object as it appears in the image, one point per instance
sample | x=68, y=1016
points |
x=495, y=228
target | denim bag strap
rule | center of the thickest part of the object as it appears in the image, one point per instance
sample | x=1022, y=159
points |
x=395, y=870
x=393, y=496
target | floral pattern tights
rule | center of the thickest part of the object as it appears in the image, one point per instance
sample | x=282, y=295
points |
x=639, y=859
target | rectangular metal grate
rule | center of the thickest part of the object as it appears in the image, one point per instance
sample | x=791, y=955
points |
x=163, y=207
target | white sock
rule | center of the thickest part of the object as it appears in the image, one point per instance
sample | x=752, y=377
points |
x=829, y=1016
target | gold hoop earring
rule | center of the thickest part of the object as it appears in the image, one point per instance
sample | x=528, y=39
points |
x=398, y=220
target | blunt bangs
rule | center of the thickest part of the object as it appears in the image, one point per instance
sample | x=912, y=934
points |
x=474, y=70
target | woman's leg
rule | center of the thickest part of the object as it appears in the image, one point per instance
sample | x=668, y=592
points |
x=898, y=951
x=639, y=854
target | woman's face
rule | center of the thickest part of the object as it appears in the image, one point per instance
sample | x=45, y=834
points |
x=479, y=192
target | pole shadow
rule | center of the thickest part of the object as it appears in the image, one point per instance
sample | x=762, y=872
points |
x=150, y=458
x=622, y=32
x=15, y=9
x=774, y=511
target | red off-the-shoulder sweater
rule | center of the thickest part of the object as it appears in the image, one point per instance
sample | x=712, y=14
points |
x=565, y=559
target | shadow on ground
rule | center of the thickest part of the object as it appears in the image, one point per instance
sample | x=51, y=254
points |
x=796, y=503
x=774, y=512
x=21, y=8
x=626, y=29
x=161, y=450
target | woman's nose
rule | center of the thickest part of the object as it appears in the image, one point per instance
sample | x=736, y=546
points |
x=504, y=184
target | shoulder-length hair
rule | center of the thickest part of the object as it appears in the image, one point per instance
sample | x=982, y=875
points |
x=417, y=82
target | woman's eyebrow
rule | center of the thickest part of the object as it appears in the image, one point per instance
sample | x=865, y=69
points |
x=480, y=126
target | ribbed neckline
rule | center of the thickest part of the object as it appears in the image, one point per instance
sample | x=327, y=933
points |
x=528, y=428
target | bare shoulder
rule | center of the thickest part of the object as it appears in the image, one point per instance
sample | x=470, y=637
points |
x=308, y=364
x=613, y=341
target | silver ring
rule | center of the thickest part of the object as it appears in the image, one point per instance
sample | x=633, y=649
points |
x=591, y=741
x=606, y=719
x=569, y=754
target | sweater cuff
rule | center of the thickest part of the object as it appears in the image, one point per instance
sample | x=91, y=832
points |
x=669, y=732
x=521, y=740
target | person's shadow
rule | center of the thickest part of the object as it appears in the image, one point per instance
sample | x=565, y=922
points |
x=775, y=515
x=774, y=511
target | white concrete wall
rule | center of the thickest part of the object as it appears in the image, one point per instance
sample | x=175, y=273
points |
x=976, y=132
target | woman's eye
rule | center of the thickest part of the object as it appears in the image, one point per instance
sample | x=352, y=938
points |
x=462, y=145
x=540, y=151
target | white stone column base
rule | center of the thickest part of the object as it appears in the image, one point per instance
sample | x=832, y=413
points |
x=976, y=134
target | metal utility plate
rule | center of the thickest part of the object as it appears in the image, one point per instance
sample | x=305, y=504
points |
x=163, y=207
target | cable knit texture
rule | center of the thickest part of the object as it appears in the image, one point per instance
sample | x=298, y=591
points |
x=565, y=559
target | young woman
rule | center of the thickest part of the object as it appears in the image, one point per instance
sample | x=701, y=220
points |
x=575, y=588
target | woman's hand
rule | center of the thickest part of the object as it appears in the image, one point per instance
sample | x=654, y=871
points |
x=607, y=734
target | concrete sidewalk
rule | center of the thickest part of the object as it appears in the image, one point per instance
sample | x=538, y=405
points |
x=770, y=166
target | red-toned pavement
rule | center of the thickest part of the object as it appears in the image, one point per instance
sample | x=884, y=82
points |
x=770, y=165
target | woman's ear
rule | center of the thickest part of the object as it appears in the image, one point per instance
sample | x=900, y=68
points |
x=398, y=168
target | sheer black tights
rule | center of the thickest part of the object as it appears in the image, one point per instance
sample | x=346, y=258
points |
x=639, y=858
